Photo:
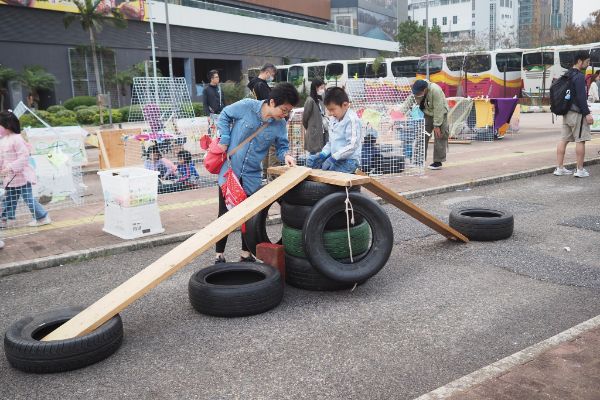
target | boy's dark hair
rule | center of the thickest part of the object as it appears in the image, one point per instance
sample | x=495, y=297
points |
x=211, y=73
x=154, y=150
x=284, y=93
x=336, y=96
x=268, y=66
x=580, y=55
x=186, y=155
x=10, y=121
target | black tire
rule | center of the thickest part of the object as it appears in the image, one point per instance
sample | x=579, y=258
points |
x=25, y=351
x=235, y=289
x=301, y=274
x=336, y=242
x=294, y=215
x=256, y=230
x=308, y=193
x=381, y=233
x=482, y=224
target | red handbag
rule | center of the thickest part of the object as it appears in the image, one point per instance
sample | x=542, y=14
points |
x=215, y=156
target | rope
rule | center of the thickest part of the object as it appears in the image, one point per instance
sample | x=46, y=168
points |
x=348, y=207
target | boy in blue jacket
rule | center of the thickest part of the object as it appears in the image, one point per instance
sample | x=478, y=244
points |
x=343, y=150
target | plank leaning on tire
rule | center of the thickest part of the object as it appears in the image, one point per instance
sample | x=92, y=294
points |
x=381, y=234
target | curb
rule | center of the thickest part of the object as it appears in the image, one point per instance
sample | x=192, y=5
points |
x=502, y=366
x=138, y=244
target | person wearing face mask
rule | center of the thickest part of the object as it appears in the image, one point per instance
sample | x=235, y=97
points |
x=315, y=122
x=259, y=86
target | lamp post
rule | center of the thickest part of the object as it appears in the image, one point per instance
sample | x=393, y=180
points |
x=169, y=55
x=427, y=39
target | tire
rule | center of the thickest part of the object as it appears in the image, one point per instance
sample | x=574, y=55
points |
x=25, y=351
x=308, y=193
x=336, y=242
x=256, y=230
x=294, y=216
x=301, y=274
x=381, y=232
x=483, y=224
x=235, y=289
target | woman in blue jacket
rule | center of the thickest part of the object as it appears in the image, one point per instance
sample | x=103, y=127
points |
x=239, y=121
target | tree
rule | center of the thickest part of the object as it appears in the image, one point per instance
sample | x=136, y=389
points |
x=582, y=34
x=124, y=79
x=411, y=38
x=6, y=75
x=92, y=16
x=36, y=78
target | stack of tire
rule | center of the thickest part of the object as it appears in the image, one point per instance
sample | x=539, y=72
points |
x=319, y=255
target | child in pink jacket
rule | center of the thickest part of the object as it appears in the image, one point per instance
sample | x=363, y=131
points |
x=18, y=176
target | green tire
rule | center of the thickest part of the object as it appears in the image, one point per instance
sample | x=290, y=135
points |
x=336, y=242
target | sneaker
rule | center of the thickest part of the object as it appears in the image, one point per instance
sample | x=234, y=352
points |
x=249, y=259
x=40, y=222
x=581, y=173
x=560, y=171
x=7, y=223
x=1, y=244
x=436, y=165
x=220, y=259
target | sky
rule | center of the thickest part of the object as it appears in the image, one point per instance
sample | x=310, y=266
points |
x=583, y=8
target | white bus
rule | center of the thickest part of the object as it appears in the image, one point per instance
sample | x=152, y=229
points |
x=403, y=67
x=494, y=73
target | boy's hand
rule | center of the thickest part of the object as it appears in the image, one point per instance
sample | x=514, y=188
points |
x=290, y=161
x=328, y=164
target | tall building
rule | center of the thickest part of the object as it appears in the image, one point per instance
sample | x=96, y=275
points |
x=542, y=22
x=228, y=35
x=471, y=24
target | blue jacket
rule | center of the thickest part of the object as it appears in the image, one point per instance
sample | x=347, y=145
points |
x=345, y=137
x=579, y=86
x=240, y=120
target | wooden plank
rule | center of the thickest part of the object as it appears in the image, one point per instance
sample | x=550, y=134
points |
x=141, y=283
x=105, y=160
x=115, y=146
x=330, y=177
x=411, y=209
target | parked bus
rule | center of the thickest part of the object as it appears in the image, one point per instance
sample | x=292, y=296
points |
x=339, y=71
x=444, y=69
x=403, y=67
x=301, y=75
x=492, y=74
x=540, y=66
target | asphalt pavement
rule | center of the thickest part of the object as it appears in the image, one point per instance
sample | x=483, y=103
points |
x=439, y=310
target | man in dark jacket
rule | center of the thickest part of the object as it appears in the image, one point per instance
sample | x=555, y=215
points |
x=259, y=86
x=576, y=123
x=214, y=100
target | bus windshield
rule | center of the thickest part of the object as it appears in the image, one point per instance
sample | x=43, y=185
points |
x=534, y=62
x=435, y=65
x=478, y=63
x=405, y=69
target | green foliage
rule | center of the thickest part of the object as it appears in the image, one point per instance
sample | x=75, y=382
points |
x=125, y=111
x=45, y=115
x=233, y=91
x=65, y=114
x=36, y=78
x=28, y=120
x=198, y=109
x=6, y=75
x=65, y=119
x=55, y=109
x=117, y=116
x=79, y=108
x=94, y=108
x=411, y=38
x=377, y=64
x=77, y=101
x=86, y=116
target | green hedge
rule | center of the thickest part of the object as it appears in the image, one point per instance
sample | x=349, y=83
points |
x=79, y=101
x=54, y=109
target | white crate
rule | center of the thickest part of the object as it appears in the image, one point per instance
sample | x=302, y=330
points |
x=132, y=222
x=129, y=187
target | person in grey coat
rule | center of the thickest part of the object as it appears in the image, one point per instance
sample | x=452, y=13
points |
x=314, y=120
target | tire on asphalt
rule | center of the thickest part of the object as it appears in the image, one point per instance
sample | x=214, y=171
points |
x=256, y=230
x=25, y=351
x=294, y=215
x=382, y=238
x=300, y=273
x=336, y=242
x=308, y=193
x=235, y=289
x=482, y=224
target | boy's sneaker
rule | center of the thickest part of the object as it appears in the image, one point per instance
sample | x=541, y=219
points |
x=560, y=171
x=1, y=244
x=581, y=173
x=435, y=165
x=40, y=222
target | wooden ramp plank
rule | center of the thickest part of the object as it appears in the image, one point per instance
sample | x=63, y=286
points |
x=330, y=177
x=411, y=209
x=141, y=283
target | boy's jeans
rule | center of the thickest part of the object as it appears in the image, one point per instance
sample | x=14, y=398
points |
x=11, y=197
x=347, y=166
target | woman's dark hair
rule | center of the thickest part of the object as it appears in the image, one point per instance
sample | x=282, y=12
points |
x=186, y=155
x=313, y=89
x=10, y=121
x=336, y=96
x=154, y=150
x=284, y=93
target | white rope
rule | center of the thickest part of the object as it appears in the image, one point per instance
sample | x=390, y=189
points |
x=348, y=206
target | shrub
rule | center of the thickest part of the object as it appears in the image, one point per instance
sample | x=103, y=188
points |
x=79, y=108
x=117, y=116
x=198, y=109
x=127, y=110
x=45, y=115
x=233, y=91
x=87, y=116
x=55, y=109
x=79, y=101
x=66, y=120
x=66, y=114
x=94, y=108
x=28, y=120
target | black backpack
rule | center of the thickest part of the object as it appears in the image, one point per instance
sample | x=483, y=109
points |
x=561, y=94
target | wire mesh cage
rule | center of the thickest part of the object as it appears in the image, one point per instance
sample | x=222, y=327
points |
x=393, y=129
x=170, y=139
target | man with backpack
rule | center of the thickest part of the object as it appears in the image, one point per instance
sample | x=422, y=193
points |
x=568, y=98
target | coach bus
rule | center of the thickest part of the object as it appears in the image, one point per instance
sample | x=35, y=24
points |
x=494, y=73
x=444, y=69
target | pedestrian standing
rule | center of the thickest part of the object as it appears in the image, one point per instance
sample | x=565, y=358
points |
x=314, y=119
x=594, y=89
x=214, y=100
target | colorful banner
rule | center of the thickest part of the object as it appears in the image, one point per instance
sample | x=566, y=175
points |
x=134, y=10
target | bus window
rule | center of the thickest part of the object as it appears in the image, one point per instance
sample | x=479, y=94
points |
x=381, y=72
x=455, y=63
x=510, y=61
x=356, y=70
x=318, y=71
x=282, y=75
x=435, y=65
x=405, y=69
x=533, y=61
x=595, y=58
x=478, y=63
x=566, y=58
x=334, y=70
x=296, y=75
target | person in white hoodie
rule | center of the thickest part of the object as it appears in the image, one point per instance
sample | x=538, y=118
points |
x=593, y=95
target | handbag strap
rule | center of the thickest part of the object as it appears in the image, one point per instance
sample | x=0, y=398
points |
x=248, y=139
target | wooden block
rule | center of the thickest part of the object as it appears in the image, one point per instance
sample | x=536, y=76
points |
x=272, y=254
x=330, y=177
x=141, y=283
x=112, y=147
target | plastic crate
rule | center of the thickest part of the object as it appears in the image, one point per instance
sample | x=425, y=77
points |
x=132, y=222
